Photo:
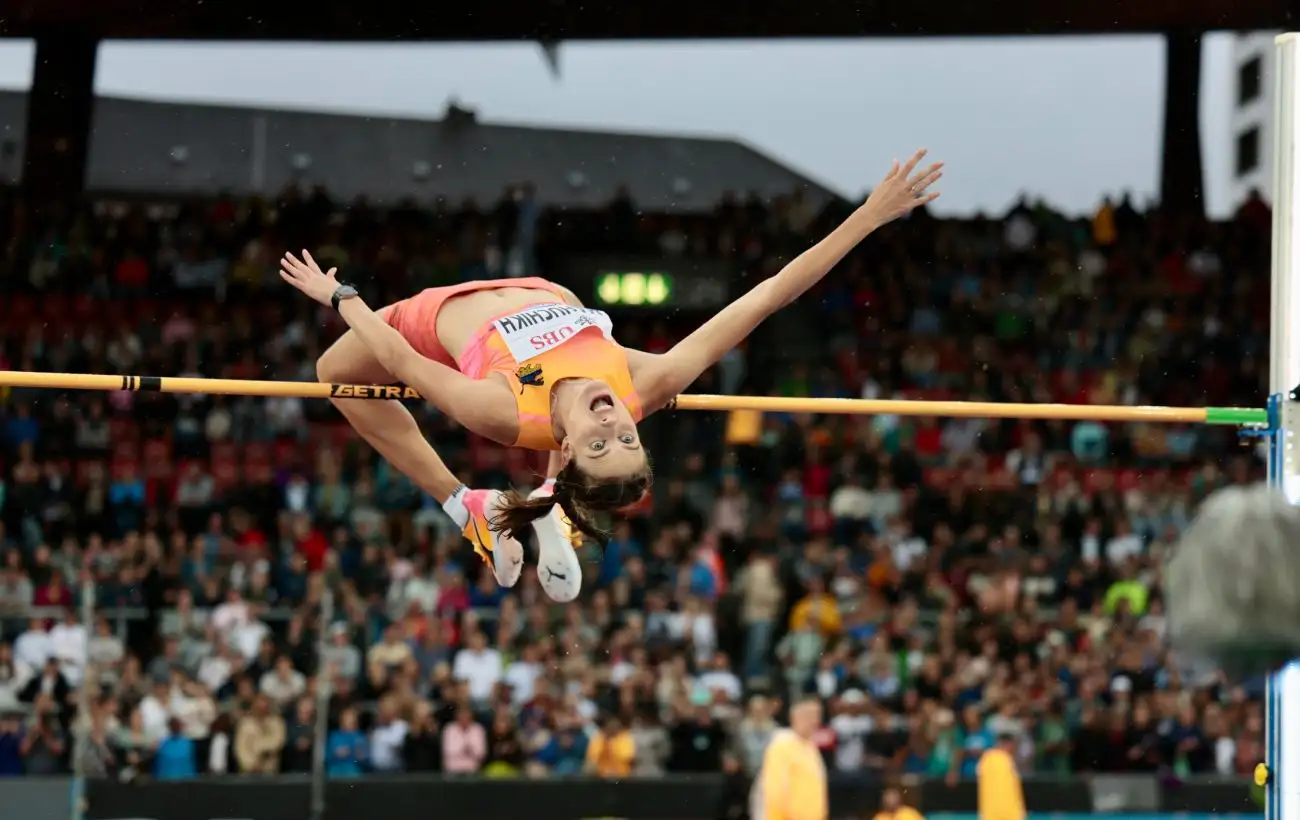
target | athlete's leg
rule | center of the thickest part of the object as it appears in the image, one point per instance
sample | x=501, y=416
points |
x=391, y=429
x=385, y=425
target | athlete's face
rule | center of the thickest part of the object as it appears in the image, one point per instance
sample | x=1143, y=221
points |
x=600, y=434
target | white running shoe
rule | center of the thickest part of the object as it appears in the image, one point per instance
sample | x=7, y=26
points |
x=504, y=555
x=558, y=567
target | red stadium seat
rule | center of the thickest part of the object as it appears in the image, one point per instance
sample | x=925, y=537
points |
x=158, y=463
x=121, y=467
x=125, y=449
x=286, y=452
x=122, y=429
x=225, y=471
x=257, y=463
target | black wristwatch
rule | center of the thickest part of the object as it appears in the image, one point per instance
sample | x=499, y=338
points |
x=343, y=292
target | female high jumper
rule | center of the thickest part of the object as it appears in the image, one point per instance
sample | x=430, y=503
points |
x=522, y=362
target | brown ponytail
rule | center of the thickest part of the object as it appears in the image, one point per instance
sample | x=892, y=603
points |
x=578, y=495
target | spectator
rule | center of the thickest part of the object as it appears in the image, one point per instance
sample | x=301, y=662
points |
x=98, y=759
x=32, y=648
x=220, y=745
x=762, y=598
x=464, y=744
x=387, y=738
x=650, y=743
x=259, y=739
x=505, y=755
x=10, y=681
x=135, y=747
x=852, y=726
x=299, y=736
x=106, y=652
x=565, y=750
x=49, y=683
x=697, y=739
x=174, y=759
x=341, y=656
x=892, y=806
x=755, y=732
x=391, y=652
x=68, y=644
x=422, y=749
x=347, y=752
x=479, y=666
x=283, y=683
x=12, y=741
x=45, y=743
x=611, y=752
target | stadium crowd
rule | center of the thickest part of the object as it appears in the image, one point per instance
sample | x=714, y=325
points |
x=939, y=583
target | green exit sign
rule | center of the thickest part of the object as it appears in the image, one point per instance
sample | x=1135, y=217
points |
x=634, y=289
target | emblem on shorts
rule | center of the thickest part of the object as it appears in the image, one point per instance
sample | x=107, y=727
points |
x=530, y=375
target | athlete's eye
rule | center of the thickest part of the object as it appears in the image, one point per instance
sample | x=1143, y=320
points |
x=598, y=445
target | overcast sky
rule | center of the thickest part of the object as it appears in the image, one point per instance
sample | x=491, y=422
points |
x=1065, y=118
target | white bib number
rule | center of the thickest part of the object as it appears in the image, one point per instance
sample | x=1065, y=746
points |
x=535, y=330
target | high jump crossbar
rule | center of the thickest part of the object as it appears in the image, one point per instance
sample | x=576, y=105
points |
x=1233, y=416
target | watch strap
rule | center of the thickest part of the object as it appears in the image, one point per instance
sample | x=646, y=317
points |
x=340, y=293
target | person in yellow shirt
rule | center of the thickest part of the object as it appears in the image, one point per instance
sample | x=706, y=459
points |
x=791, y=783
x=611, y=752
x=1001, y=796
x=818, y=609
x=892, y=806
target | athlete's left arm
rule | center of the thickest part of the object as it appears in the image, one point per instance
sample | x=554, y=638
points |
x=902, y=190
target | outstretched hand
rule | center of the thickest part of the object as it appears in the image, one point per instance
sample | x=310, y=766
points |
x=902, y=190
x=305, y=275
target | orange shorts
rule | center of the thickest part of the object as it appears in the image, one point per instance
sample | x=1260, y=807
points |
x=417, y=318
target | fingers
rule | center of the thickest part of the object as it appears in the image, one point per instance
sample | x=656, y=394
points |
x=291, y=263
x=911, y=163
x=926, y=178
x=893, y=171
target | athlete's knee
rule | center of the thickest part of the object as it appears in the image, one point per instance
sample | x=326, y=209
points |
x=329, y=367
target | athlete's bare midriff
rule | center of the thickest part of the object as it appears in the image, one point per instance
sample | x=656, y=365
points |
x=463, y=316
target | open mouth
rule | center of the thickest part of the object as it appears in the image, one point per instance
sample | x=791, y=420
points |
x=602, y=402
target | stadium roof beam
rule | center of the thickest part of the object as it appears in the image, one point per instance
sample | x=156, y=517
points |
x=557, y=20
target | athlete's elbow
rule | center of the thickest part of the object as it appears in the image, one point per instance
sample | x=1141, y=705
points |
x=405, y=364
x=772, y=295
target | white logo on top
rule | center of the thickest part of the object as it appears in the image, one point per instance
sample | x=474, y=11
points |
x=537, y=329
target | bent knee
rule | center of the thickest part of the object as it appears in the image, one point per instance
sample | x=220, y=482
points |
x=348, y=361
x=329, y=367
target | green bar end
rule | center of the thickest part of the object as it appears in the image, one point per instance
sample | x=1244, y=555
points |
x=1236, y=416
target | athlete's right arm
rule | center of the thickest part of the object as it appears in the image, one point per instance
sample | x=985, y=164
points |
x=474, y=404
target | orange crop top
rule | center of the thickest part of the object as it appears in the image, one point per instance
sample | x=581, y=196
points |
x=538, y=346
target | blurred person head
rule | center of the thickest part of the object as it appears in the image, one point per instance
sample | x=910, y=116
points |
x=806, y=717
x=854, y=702
x=348, y=719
